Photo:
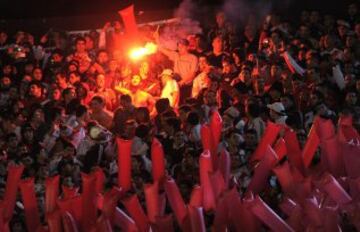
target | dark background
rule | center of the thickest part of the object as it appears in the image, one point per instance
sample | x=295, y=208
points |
x=40, y=15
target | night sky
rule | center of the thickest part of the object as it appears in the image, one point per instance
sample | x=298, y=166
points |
x=82, y=14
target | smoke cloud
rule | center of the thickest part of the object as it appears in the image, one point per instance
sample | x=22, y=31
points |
x=243, y=11
x=185, y=26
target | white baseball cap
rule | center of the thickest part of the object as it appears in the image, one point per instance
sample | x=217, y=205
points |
x=278, y=107
x=167, y=72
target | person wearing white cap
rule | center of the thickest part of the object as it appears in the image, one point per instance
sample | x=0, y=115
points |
x=277, y=112
x=170, y=88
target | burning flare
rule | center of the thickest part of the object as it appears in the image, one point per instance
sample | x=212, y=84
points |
x=140, y=52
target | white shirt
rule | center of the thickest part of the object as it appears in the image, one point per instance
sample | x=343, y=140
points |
x=185, y=65
x=168, y=91
x=201, y=81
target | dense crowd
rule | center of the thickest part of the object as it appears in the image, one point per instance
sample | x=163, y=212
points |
x=64, y=99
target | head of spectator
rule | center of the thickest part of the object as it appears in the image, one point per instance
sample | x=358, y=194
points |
x=37, y=74
x=277, y=112
x=61, y=80
x=36, y=90
x=80, y=45
x=74, y=78
x=68, y=95
x=100, y=81
x=102, y=57
x=220, y=19
x=183, y=46
x=217, y=45
x=97, y=104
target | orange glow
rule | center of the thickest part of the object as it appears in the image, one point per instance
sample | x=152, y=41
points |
x=140, y=52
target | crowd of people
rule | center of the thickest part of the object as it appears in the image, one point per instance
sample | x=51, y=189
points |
x=64, y=99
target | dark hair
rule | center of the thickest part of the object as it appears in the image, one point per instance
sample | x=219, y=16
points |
x=169, y=114
x=25, y=127
x=37, y=83
x=251, y=131
x=162, y=105
x=193, y=118
x=98, y=99
x=74, y=72
x=66, y=91
x=80, y=110
x=319, y=95
x=142, y=131
x=10, y=135
x=145, y=112
x=174, y=123
x=185, y=108
x=254, y=109
x=72, y=106
x=100, y=51
x=126, y=98
x=58, y=51
x=80, y=38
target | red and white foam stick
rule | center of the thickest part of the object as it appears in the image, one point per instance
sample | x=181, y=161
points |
x=51, y=193
x=284, y=175
x=205, y=169
x=207, y=139
x=268, y=216
x=280, y=148
x=72, y=206
x=217, y=183
x=89, y=202
x=123, y=221
x=331, y=153
x=135, y=210
x=312, y=212
x=69, y=192
x=152, y=200
x=196, y=219
x=293, y=150
x=262, y=171
x=225, y=166
x=325, y=128
x=334, y=190
x=287, y=206
x=164, y=223
x=109, y=203
x=158, y=160
x=175, y=200
x=351, y=156
x=32, y=217
x=196, y=197
x=311, y=146
x=103, y=224
x=271, y=132
x=99, y=180
x=54, y=221
x=12, y=182
x=69, y=223
x=124, y=163
x=3, y=225
x=216, y=129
